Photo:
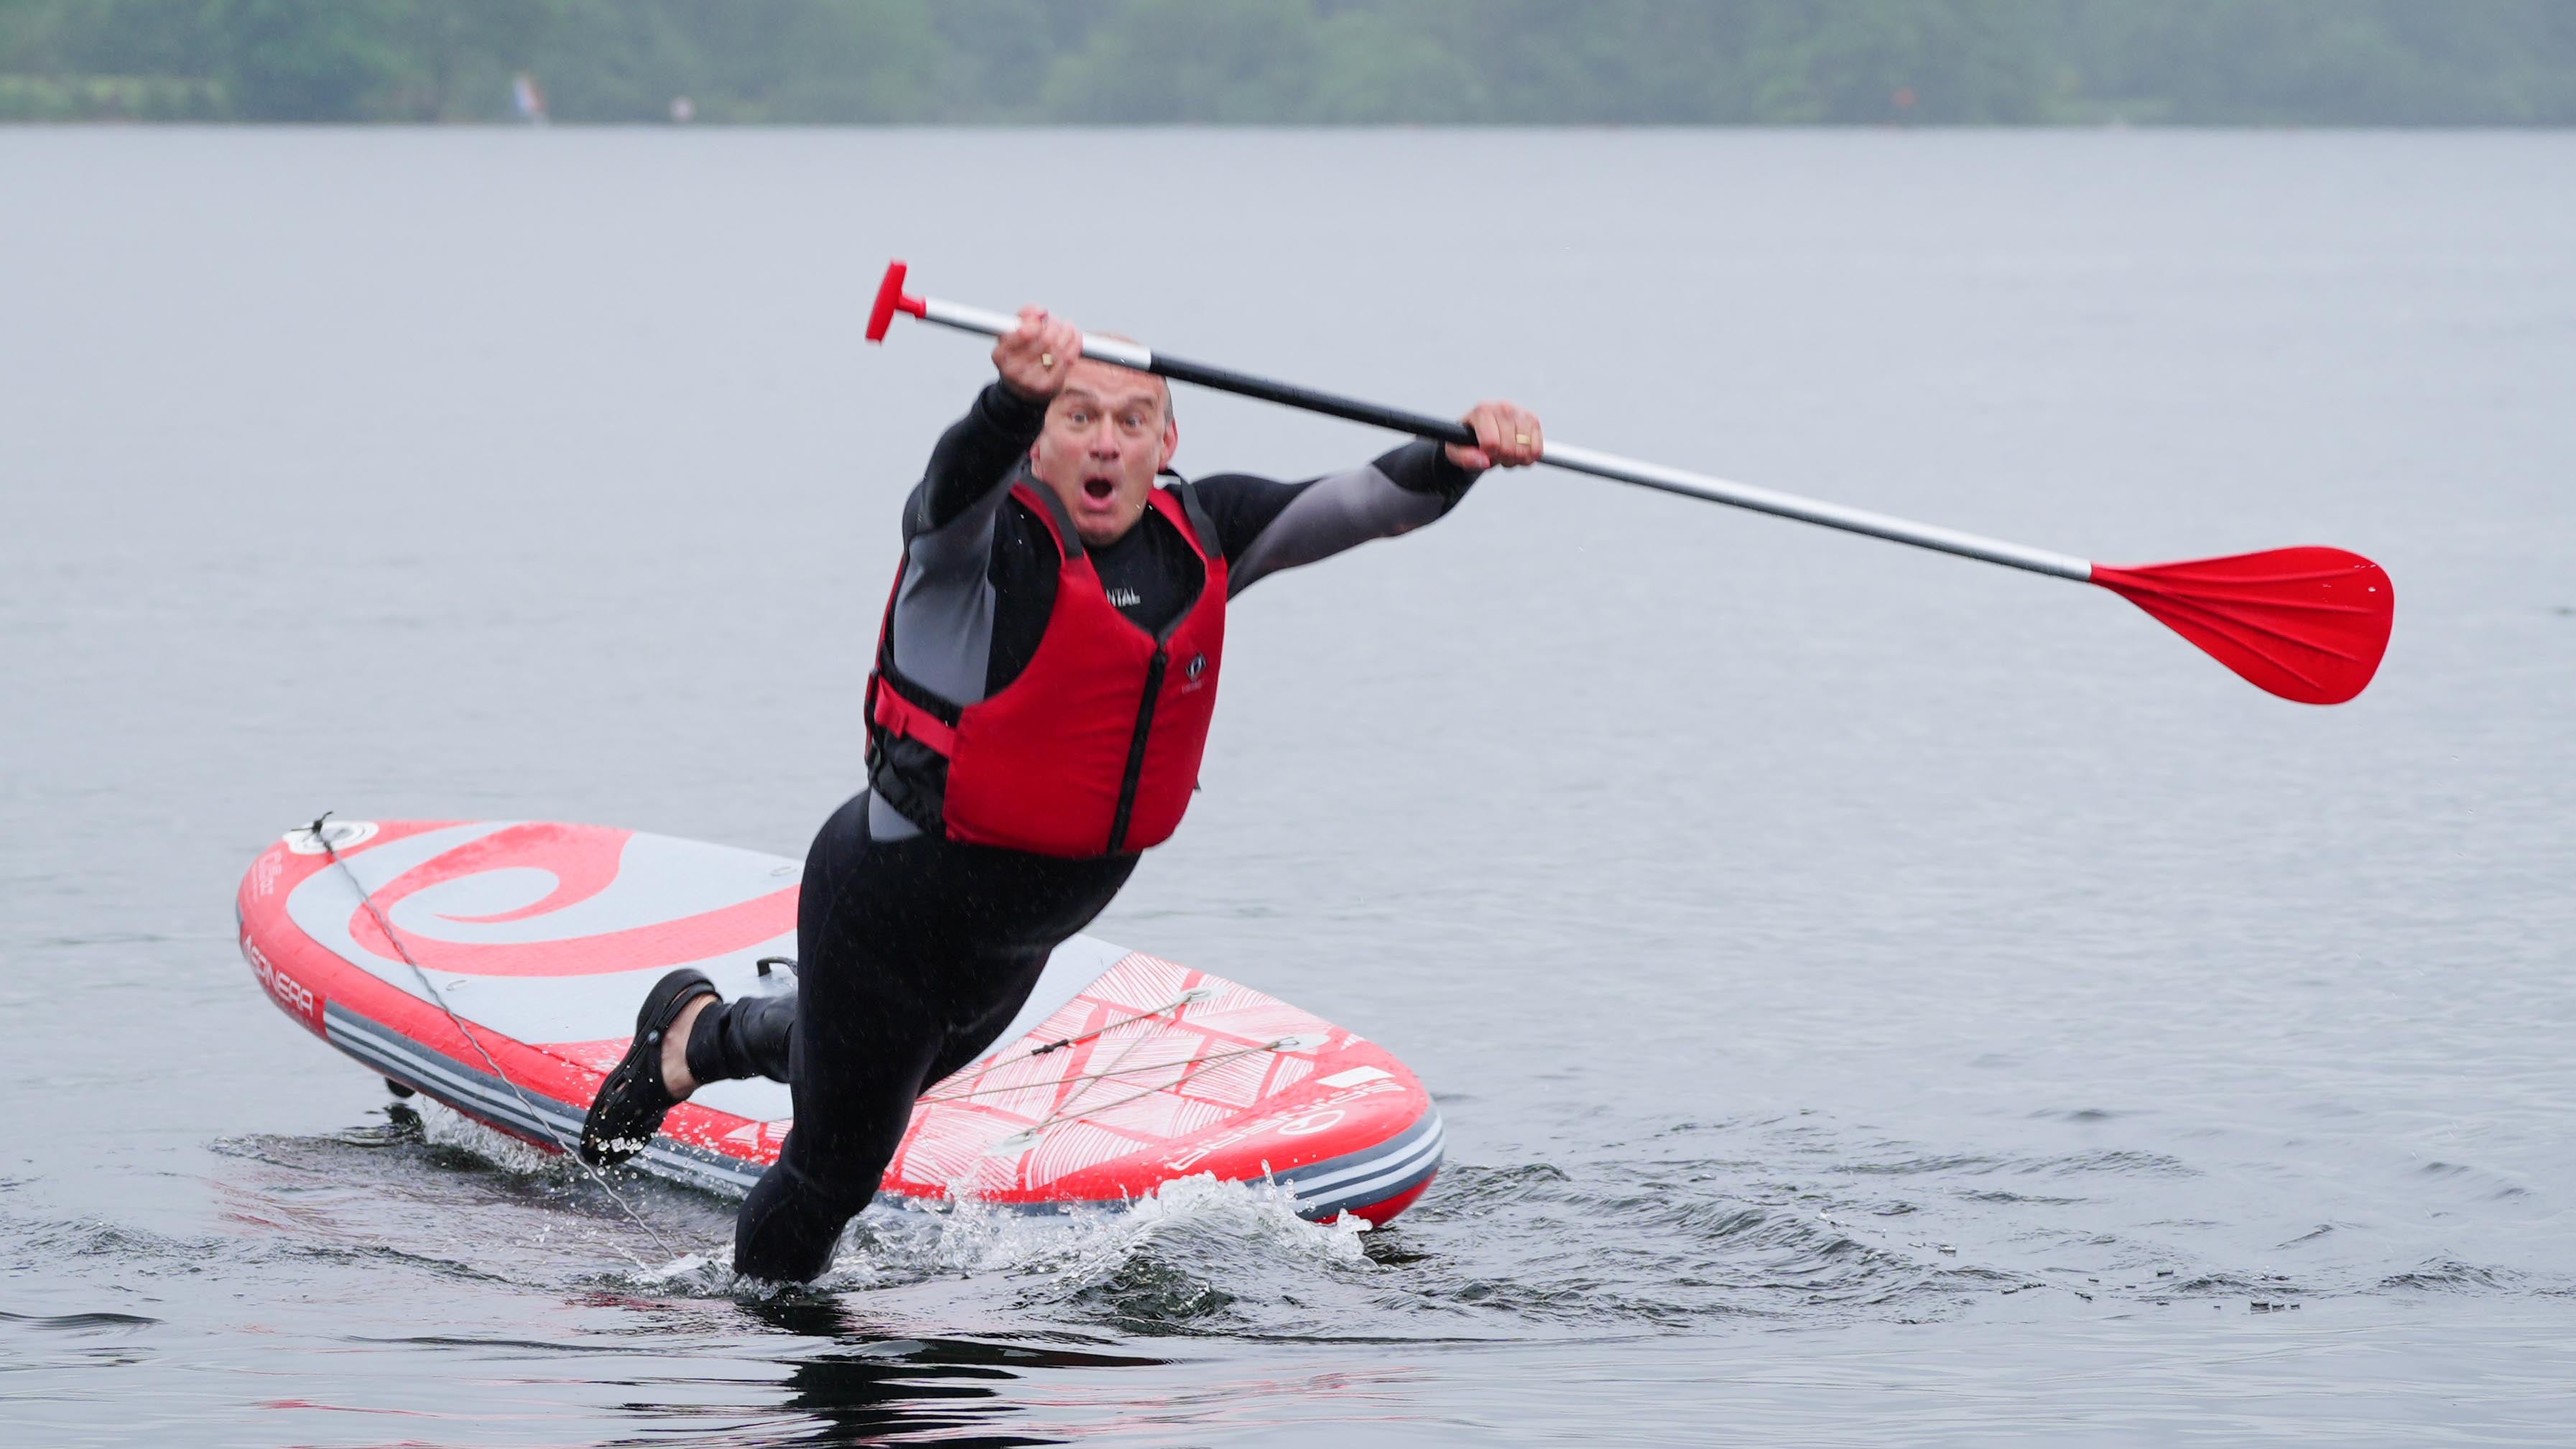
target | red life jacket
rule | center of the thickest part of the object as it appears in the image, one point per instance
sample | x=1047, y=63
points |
x=1094, y=749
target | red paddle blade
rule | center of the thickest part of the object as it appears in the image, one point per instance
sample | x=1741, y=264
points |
x=2305, y=623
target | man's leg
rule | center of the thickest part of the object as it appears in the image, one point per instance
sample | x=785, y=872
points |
x=913, y=958
x=878, y=934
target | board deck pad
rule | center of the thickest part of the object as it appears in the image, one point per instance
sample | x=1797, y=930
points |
x=1122, y=1072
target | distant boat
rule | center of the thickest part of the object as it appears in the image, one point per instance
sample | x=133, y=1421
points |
x=529, y=101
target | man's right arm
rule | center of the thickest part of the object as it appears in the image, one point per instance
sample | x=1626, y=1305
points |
x=972, y=465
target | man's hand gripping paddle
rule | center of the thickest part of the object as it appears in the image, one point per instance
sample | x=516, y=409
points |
x=2308, y=624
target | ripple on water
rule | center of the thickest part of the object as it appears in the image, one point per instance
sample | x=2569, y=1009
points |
x=80, y=1323
x=1671, y=1242
x=2445, y=1275
x=1668, y=1245
x=2117, y=1161
x=74, y=1340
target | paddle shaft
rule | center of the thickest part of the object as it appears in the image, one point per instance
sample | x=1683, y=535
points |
x=1562, y=455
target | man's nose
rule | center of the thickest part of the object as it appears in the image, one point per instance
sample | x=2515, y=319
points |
x=1103, y=440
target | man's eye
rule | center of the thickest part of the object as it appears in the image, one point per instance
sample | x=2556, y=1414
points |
x=1077, y=417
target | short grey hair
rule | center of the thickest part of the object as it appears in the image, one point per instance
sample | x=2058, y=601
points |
x=1170, y=414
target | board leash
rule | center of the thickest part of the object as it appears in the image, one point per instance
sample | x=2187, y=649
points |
x=367, y=900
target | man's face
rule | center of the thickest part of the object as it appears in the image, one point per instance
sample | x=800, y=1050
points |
x=1107, y=434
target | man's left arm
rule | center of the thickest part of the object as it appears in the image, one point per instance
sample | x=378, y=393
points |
x=1264, y=526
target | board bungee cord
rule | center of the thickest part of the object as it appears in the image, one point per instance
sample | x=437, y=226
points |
x=1195, y=1066
x=1117, y=1070
x=367, y=901
x=1125, y=1073
x=1194, y=994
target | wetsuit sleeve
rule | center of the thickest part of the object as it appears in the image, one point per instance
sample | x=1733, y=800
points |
x=1265, y=526
x=948, y=601
x=972, y=462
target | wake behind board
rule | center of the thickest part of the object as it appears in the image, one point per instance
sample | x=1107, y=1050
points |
x=1122, y=1072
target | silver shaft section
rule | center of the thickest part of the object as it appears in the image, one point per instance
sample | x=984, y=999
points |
x=967, y=319
x=999, y=324
x=1809, y=510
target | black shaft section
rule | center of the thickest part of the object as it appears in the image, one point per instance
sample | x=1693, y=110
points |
x=1420, y=425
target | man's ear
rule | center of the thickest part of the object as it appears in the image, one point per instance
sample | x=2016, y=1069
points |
x=1171, y=443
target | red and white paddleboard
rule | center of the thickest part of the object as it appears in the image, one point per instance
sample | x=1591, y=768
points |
x=1122, y=1072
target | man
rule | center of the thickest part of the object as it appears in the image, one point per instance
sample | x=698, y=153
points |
x=1043, y=684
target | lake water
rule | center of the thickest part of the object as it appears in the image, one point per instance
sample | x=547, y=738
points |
x=1875, y=998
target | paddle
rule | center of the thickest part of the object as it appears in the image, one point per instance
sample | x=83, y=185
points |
x=2308, y=624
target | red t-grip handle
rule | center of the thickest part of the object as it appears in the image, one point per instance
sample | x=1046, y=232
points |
x=890, y=300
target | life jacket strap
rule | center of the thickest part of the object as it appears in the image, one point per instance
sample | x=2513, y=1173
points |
x=903, y=719
x=1201, y=526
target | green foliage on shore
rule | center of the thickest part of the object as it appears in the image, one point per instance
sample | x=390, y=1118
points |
x=1317, y=62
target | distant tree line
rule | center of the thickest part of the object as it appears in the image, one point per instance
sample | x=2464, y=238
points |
x=1635, y=62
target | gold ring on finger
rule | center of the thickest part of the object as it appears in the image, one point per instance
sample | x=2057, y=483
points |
x=1046, y=359
x=1524, y=437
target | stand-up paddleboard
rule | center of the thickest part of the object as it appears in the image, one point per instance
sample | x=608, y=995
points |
x=496, y=967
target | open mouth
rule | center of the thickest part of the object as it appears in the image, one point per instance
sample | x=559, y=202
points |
x=1099, y=490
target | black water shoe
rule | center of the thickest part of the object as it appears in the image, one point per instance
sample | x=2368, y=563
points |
x=633, y=1101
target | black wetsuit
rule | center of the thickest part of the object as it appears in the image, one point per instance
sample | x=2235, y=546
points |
x=914, y=950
